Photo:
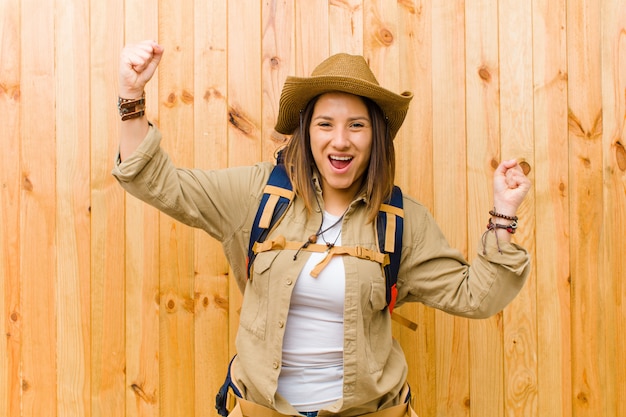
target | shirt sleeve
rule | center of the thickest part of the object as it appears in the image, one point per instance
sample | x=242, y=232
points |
x=217, y=201
x=433, y=273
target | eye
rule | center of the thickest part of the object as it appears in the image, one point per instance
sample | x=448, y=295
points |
x=359, y=124
x=324, y=124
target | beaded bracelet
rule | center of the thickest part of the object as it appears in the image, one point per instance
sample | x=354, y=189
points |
x=494, y=213
x=131, y=108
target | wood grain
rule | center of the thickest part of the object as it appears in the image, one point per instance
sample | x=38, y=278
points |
x=552, y=209
x=586, y=206
x=212, y=350
x=517, y=141
x=73, y=301
x=10, y=192
x=482, y=81
x=449, y=173
x=109, y=307
x=142, y=388
x=108, y=346
x=38, y=367
x=177, y=273
x=414, y=161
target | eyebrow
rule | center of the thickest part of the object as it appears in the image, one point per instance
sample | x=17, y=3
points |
x=350, y=119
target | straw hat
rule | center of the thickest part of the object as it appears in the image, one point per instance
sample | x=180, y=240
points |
x=340, y=72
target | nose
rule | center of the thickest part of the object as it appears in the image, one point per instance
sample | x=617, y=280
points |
x=341, y=139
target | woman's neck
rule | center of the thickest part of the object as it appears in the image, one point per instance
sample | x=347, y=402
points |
x=337, y=203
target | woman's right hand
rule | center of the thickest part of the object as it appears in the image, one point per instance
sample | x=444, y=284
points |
x=138, y=62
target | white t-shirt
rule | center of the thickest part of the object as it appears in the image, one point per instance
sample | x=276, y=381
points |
x=311, y=377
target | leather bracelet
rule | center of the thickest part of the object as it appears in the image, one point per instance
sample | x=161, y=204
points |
x=133, y=115
x=494, y=213
x=511, y=228
x=131, y=108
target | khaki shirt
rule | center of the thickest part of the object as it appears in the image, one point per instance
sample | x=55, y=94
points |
x=224, y=202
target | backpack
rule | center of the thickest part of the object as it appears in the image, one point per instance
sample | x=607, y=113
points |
x=277, y=196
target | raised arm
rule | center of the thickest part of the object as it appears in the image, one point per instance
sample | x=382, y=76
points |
x=510, y=186
x=138, y=62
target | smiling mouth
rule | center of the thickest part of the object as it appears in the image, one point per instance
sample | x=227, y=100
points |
x=340, y=162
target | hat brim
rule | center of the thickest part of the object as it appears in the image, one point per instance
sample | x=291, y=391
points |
x=298, y=91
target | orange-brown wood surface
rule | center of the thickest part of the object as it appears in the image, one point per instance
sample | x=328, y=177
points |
x=110, y=308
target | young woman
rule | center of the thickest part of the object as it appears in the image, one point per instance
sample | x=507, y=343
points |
x=315, y=331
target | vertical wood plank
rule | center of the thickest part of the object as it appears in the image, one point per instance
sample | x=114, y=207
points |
x=381, y=46
x=483, y=147
x=449, y=167
x=38, y=211
x=516, y=116
x=73, y=301
x=244, y=105
x=176, y=80
x=312, y=35
x=107, y=217
x=348, y=15
x=551, y=208
x=142, y=253
x=244, y=83
x=585, y=173
x=613, y=265
x=211, y=287
x=10, y=285
x=278, y=63
x=414, y=173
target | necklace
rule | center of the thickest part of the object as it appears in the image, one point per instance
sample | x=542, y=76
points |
x=313, y=238
x=320, y=232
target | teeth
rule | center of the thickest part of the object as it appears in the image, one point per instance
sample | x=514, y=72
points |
x=341, y=158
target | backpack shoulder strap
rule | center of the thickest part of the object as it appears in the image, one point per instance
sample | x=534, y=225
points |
x=389, y=228
x=277, y=195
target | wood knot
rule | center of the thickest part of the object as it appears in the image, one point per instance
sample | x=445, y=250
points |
x=186, y=97
x=26, y=183
x=274, y=62
x=221, y=302
x=385, y=36
x=139, y=392
x=239, y=121
x=170, y=305
x=484, y=74
x=12, y=91
x=582, y=397
x=171, y=100
x=525, y=167
x=212, y=92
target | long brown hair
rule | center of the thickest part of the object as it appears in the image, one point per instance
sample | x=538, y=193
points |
x=379, y=176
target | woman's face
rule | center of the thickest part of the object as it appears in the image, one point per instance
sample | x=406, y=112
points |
x=341, y=143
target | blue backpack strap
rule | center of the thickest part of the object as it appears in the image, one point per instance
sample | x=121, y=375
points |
x=389, y=228
x=277, y=195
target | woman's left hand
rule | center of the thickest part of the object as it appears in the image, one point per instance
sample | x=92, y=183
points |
x=510, y=186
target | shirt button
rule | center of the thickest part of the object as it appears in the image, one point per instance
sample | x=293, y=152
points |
x=275, y=365
x=270, y=399
x=281, y=324
x=289, y=282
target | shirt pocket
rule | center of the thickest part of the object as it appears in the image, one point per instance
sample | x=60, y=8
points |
x=256, y=296
x=377, y=326
x=378, y=293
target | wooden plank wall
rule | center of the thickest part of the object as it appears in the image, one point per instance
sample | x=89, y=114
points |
x=109, y=308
